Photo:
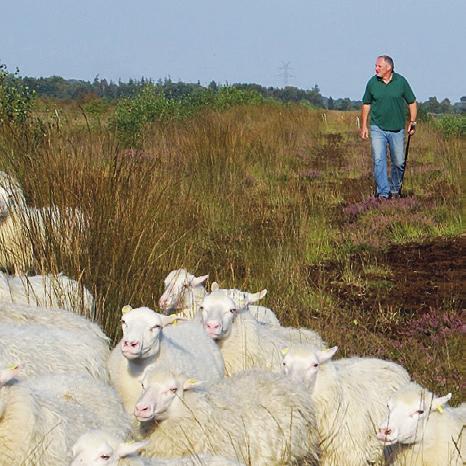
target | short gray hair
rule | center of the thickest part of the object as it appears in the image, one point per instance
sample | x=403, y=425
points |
x=388, y=60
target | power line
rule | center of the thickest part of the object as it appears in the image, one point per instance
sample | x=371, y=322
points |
x=285, y=74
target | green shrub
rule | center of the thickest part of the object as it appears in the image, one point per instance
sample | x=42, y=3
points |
x=452, y=125
x=151, y=105
x=133, y=114
x=226, y=97
x=16, y=98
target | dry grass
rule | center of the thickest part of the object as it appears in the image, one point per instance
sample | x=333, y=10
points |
x=256, y=197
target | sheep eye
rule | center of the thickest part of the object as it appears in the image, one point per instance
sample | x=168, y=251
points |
x=156, y=326
x=173, y=390
x=284, y=363
x=105, y=457
x=232, y=311
x=420, y=411
x=316, y=365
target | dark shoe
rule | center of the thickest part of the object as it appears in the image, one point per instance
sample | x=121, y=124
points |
x=381, y=197
x=395, y=196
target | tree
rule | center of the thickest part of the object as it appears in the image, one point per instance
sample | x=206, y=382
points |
x=432, y=105
x=445, y=106
x=16, y=98
x=213, y=86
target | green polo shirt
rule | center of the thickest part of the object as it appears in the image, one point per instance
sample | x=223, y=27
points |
x=388, y=101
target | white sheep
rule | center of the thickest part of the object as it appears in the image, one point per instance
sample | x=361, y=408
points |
x=350, y=397
x=15, y=250
x=244, y=342
x=244, y=299
x=11, y=194
x=150, y=338
x=256, y=417
x=183, y=293
x=42, y=417
x=99, y=448
x=57, y=291
x=19, y=224
x=421, y=430
x=45, y=349
x=52, y=317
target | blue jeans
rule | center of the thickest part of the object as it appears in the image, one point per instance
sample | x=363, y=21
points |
x=379, y=141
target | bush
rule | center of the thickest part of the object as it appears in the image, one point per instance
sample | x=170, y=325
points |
x=452, y=125
x=16, y=98
x=150, y=105
x=133, y=114
x=226, y=97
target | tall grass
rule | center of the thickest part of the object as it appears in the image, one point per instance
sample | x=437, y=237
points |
x=254, y=195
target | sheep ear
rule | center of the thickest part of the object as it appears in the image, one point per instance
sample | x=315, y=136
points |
x=438, y=403
x=198, y=280
x=126, y=309
x=189, y=384
x=8, y=374
x=284, y=351
x=171, y=320
x=130, y=448
x=262, y=293
x=324, y=356
x=214, y=287
x=254, y=297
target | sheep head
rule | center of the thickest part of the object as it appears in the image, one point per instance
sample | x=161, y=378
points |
x=162, y=394
x=142, y=329
x=178, y=290
x=99, y=448
x=218, y=313
x=302, y=362
x=408, y=411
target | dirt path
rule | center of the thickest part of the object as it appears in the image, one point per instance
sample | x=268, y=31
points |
x=428, y=275
x=413, y=278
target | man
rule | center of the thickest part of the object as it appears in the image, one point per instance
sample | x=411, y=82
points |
x=387, y=94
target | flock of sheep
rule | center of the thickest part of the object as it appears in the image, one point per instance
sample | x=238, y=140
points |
x=211, y=379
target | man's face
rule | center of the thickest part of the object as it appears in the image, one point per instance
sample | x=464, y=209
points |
x=382, y=68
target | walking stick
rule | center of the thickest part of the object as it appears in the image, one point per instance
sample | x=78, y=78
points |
x=404, y=164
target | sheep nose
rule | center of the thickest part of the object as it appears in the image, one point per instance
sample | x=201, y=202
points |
x=213, y=324
x=385, y=431
x=141, y=408
x=130, y=344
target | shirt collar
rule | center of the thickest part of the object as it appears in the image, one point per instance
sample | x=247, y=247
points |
x=391, y=79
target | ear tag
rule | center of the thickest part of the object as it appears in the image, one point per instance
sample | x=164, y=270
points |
x=13, y=367
x=440, y=409
x=284, y=351
x=191, y=381
x=126, y=309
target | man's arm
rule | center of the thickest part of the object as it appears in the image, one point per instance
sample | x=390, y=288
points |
x=412, y=118
x=364, y=131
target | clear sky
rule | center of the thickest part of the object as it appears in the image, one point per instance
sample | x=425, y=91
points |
x=332, y=43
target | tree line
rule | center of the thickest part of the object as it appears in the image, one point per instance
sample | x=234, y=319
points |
x=57, y=87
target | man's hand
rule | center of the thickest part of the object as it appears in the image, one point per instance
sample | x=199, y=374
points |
x=364, y=132
x=411, y=128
